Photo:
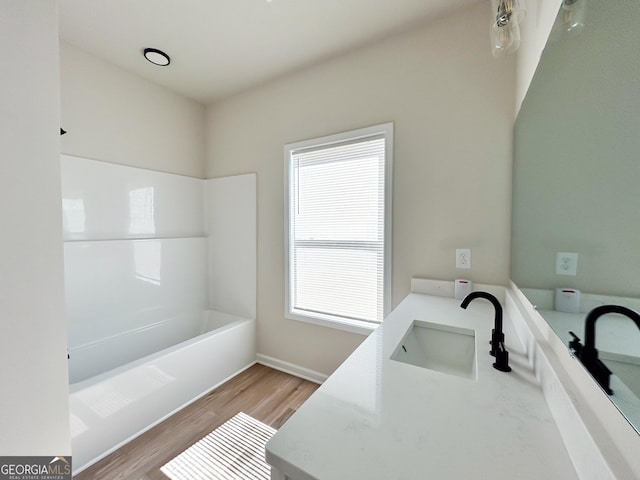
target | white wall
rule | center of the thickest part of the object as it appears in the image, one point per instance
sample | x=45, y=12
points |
x=115, y=116
x=452, y=105
x=534, y=32
x=34, y=417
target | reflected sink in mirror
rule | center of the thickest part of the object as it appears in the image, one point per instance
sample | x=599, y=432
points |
x=443, y=348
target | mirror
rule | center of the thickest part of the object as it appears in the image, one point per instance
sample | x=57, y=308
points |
x=576, y=190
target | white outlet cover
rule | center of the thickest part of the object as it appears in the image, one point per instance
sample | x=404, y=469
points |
x=566, y=263
x=463, y=258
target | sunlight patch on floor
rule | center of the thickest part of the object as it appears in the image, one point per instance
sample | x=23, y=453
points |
x=233, y=451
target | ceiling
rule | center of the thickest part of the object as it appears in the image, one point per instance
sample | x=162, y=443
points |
x=221, y=47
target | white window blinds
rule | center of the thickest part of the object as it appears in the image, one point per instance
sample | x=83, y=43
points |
x=336, y=241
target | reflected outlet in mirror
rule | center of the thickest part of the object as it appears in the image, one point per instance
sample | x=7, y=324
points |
x=444, y=348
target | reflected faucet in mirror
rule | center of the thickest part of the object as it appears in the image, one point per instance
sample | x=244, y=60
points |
x=498, y=349
x=588, y=353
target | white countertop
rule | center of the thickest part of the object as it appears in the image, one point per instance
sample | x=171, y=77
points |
x=377, y=418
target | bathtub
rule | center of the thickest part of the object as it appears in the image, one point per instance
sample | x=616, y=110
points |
x=109, y=409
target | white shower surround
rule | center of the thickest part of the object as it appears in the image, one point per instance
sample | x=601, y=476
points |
x=160, y=295
x=130, y=298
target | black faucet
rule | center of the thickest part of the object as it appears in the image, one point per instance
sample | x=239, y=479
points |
x=588, y=353
x=497, y=336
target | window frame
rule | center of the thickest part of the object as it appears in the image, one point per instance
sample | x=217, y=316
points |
x=332, y=321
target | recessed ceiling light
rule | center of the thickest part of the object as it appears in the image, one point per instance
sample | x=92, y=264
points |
x=157, y=57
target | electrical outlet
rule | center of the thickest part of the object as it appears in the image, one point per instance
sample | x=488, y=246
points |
x=463, y=258
x=566, y=263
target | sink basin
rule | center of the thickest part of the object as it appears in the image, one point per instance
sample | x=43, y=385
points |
x=443, y=348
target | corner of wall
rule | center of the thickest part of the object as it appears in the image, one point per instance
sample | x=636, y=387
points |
x=534, y=32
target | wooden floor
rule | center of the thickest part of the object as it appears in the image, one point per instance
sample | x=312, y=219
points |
x=267, y=395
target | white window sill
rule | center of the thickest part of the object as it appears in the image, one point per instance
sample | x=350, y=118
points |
x=347, y=325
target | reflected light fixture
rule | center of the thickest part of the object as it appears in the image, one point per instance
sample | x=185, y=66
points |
x=505, y=26
x=157, y=57
x=573, y=15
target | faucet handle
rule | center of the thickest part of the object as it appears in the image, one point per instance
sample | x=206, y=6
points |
x=496, y=339
x=574, y=345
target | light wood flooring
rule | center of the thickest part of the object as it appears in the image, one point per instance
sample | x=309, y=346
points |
x=267, y=395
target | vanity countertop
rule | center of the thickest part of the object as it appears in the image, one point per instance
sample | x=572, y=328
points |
x=377, y=418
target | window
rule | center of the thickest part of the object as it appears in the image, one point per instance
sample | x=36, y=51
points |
x=338, y=228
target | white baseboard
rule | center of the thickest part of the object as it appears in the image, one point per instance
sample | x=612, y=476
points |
x=290, y=368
